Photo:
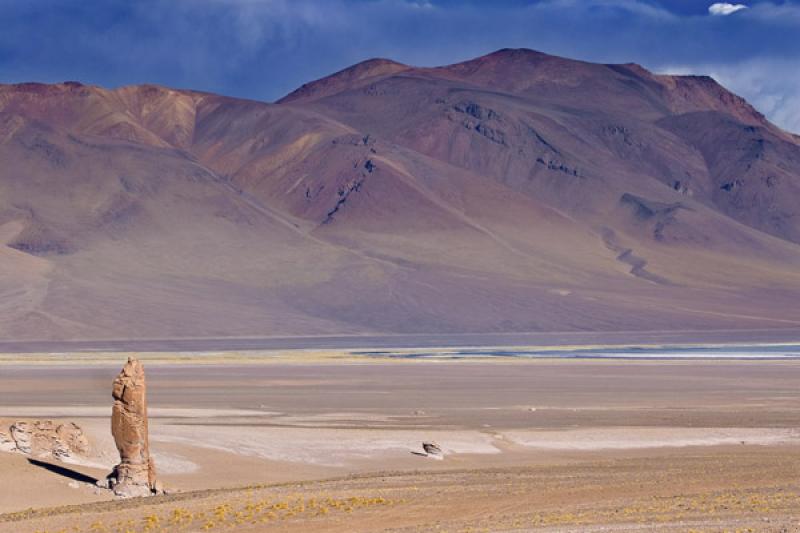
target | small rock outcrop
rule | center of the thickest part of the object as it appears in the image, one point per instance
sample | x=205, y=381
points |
x=7, y=443
x=135, y=475
x=44, y=439
x=21, y=432
x=433, y=450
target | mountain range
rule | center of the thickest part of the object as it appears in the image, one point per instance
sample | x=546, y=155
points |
x=515, y=192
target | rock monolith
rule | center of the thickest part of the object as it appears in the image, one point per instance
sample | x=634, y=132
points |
x=135, y=475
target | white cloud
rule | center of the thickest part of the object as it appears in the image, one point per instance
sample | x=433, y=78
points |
x=724, y=8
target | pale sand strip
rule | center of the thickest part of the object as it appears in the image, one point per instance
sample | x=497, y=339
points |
x=324, y=447
x=81, y=411
x=341, y=447
x=639, y=438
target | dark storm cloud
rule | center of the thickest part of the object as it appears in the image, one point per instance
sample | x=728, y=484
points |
x=264, y=48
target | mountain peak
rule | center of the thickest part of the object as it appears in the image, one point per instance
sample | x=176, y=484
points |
x=345, y=78
x=688, y=93
x=515, y=53
x=376, y=62
x=47, y=88
x=504, y=56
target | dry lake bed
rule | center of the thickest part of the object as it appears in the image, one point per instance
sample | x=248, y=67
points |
x=311, y=441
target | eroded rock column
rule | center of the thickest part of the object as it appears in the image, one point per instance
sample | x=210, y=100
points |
x=135, y=475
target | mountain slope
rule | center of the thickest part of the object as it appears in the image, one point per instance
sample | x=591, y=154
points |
x=514, y=192
x=527, y=118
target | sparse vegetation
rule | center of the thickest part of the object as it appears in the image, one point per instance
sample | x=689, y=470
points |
x=230, y=514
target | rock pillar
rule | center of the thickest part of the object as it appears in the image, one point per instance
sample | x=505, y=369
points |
x=135, y=475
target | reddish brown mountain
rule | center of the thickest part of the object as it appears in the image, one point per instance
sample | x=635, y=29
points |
x=514, y=192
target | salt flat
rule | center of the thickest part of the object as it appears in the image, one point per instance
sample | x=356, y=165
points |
x=296, y=419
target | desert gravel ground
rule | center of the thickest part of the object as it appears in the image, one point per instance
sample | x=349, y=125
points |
x=607, y=446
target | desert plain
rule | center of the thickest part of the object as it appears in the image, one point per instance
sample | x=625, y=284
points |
x=332, y=441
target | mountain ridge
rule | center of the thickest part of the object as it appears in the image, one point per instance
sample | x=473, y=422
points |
x=515, y=192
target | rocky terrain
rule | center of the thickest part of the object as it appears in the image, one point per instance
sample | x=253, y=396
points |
x=44, y=439
x=514, y=192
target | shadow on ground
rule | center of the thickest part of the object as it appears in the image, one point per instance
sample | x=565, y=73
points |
x=63, y=471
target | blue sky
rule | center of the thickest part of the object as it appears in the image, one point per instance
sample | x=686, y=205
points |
x=264, y=48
